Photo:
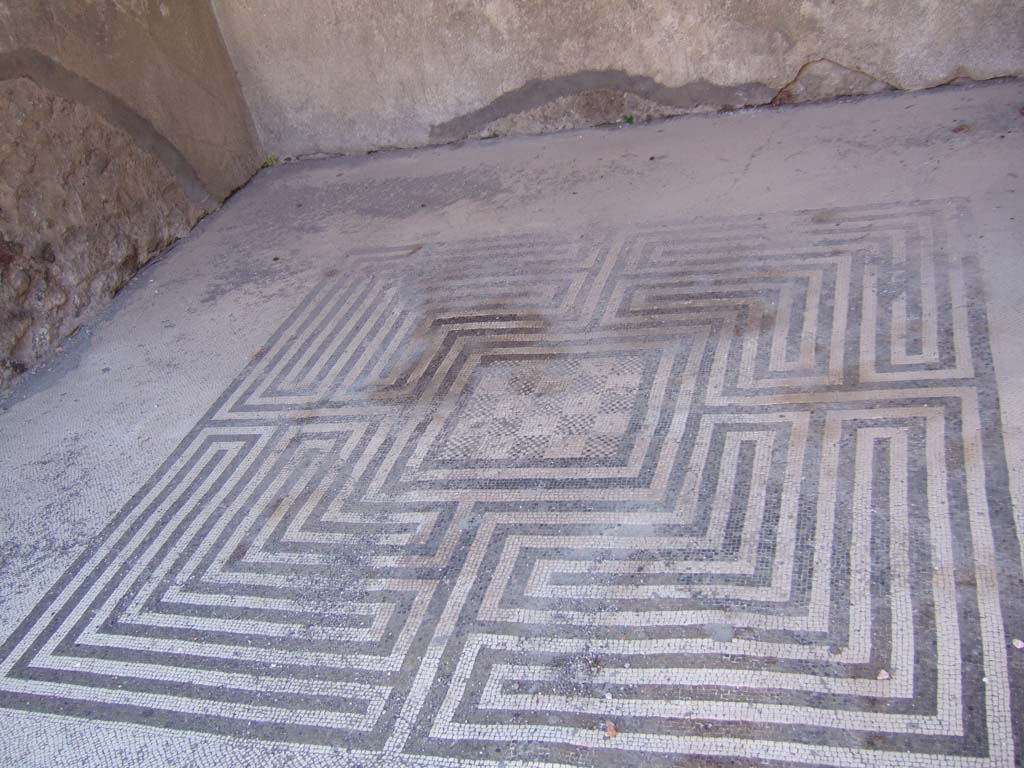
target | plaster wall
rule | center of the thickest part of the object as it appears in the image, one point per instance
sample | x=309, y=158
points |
x=355, y=75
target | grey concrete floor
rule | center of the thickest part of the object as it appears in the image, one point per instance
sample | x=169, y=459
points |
x=696, y=442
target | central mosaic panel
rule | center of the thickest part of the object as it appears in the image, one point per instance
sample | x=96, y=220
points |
x=541, y=408
x=718, y=491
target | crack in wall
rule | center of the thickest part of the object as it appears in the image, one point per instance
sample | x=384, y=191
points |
x=806, y=68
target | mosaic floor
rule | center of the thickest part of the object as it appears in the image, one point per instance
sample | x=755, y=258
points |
x=709, y=493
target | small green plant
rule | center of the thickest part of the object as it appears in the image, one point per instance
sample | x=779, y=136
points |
x=629, y=119
x=270, y=161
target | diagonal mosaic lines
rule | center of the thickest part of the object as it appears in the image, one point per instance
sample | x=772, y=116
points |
x=736, y=486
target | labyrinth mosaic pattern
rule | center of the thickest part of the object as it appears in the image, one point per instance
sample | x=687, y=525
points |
x=732, y=490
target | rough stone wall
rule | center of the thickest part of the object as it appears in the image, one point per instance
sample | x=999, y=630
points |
x=121, y=123
x=82, y=207
x=354, y=75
